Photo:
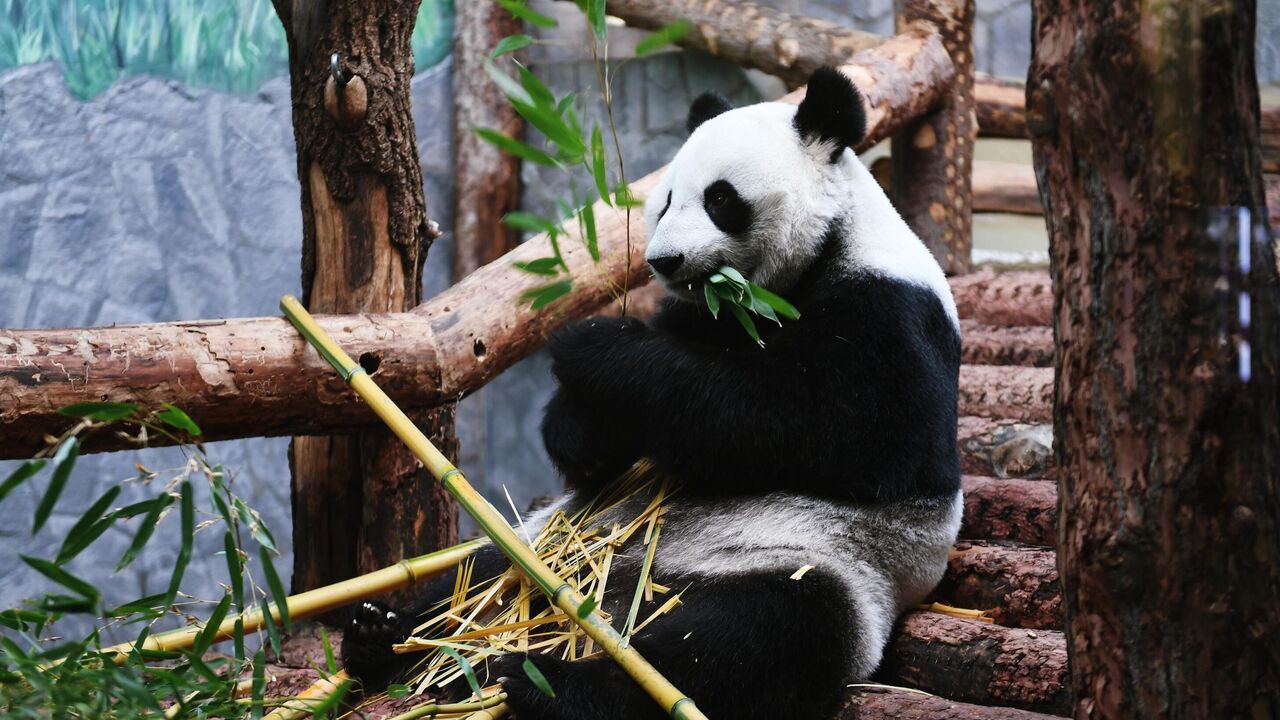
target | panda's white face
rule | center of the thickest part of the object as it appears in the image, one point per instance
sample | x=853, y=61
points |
x=744, y=191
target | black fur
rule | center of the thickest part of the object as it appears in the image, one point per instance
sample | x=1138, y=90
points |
x=704, y=107
x=856, y=400
x=726, y=208
x=831, y=111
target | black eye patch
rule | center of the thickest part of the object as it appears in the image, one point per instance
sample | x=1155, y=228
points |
x=666, y=207
x=726, y=208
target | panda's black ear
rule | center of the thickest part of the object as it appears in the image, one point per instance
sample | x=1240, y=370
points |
x=831, y=111
x=704, y=107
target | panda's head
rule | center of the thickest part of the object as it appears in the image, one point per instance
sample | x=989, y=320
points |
x=756, y=187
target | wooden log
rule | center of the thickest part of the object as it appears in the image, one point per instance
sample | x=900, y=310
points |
x=1022, y=297
x=975, y=662
x=1001, y=107
x=1005, y=187
x=1017, y=586
x=486, y=181
x=255, y=377
x=745, y=33
x=1003, y=391
x=1023, y=511
x=1006, y=448
x=884, y=703
x=936, y=152
x=983, y=344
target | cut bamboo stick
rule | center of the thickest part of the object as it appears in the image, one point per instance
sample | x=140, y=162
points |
x=561, y=593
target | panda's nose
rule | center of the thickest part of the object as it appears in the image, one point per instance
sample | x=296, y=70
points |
x=667, y=264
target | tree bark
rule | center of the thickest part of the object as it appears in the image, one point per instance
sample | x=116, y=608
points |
x=987, y=345
x=1024, y=511
x=359, y=502
x=486, y=181
x=884, y=703
x=1144, y=127
x=936, y=152
x=1005, y=187
x=1010, y=392
x=752, y=35
x=977, y=662
x=1017, y=586
x=1023, y=297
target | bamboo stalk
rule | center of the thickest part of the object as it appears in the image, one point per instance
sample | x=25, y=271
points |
x=432, y=709
x=317, y=601
x=561, y=593
x=302, y=705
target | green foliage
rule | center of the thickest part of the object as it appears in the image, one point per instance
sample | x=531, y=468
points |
x=569, y=145
x=45, y=673
x=727, y=288
x=231, y=45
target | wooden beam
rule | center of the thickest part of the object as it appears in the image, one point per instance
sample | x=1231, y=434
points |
x=255, y=377
x=936, y=151
x=752, y=35
x=1010, y=345
x=885, y=703
x=1005, y=187
x=1010, y=392
x=1024, y=511
x=1017, y=586
x=1023, y=297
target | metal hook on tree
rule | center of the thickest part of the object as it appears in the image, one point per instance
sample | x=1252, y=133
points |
x=346, y=98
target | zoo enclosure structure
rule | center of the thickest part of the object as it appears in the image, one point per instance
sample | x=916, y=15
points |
x=254, y=377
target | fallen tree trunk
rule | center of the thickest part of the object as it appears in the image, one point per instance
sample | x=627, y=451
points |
x=1002, y=391
x=1023, y=511
x=1006, y=448
x=986, y=345
x=1017, y=586
x=1005, y=187
x=883, y=703
x=1002, y=106
x=744, y=33
x=255, y=377
x=977, y=662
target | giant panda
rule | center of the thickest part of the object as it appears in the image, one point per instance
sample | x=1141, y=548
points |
x=833, y=445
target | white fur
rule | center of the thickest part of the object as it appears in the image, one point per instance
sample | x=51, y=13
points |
x=796, y=192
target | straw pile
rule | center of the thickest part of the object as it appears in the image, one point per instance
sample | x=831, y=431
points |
x=488, y=617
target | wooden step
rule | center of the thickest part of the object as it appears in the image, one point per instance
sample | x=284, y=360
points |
x=1023, y=297
x=1016, y=585
x=1022, y=511
x=983, y=344
x=885, y=703
x=1007, y=392
x=975, y=662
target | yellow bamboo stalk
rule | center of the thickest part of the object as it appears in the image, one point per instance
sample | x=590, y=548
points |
x=317, y=601
x=304, y=704
x=562, y=594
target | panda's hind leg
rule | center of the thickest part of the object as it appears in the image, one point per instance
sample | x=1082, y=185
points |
x=757, y=645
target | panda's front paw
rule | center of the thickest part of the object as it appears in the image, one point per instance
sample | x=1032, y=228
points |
x=584, y=352
x=367, y=640
x=525, y=699
x=589, y=449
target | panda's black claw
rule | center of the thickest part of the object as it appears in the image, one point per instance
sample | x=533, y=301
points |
x=367, y=639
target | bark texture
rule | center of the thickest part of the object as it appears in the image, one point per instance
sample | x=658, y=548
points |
x=1144, y=127
x=1017, y=586
x=745, y=33
x=359, y=502
x=1023, y=297
x=1014, y=345
x=486, y=181
x=890, y=704
x=936, y=152
x=1005, y=187
x=1002, y=110
x=976, y=662
x=1009, y=392
x=1024, y=511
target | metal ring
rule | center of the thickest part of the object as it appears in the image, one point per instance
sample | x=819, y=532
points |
x=335, y=69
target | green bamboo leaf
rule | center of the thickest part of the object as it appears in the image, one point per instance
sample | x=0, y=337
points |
x=188, y=512
x=99, y=411
x=145, y=530
x=257, y=527
x=218, y=481
x=510, y=44
x=277, y=588
x=25, y=472
x=515, y=147
x=142, y=605
x=596, y=17
x=273, y=631
x=235, y=569
x=67, y=604
x=598, y=165
x=541, y=266
x=784, y=308
x=587, y=607
x=553, y=126
x=745, y=321
x=63, y=460
x=734, y=277
x=329, y=660
x=663, y=36
x=176, y=418
x=537, y=678
x=623, y=198
x=55, y=573
x=237, y=641
x=395, y=691
x=547, y=294
x=520, y=10
x=713, y=300
x=514, y=91
x=467, y=670
x=205, y=639
x=258, y=692
x=20, y=619
x=529, y=222
x=541, y=94
x=89, y=527
x=587, y=217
